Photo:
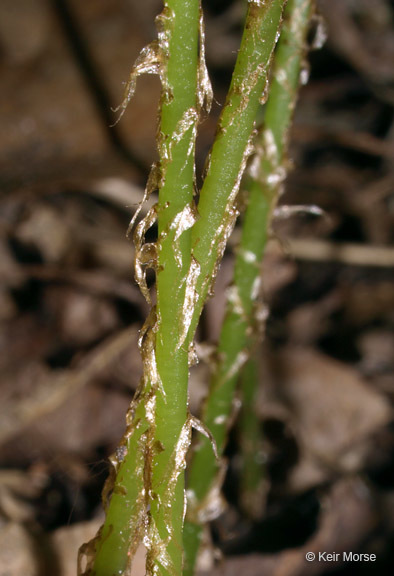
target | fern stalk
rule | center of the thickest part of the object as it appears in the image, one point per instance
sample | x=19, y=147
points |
x=267, y=174
x=147, y=486
x=238, y=334
x=232, y=146
x=217, y=216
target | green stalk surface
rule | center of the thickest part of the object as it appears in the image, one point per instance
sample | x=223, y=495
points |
x=149, y=462
x=217, y=216
x=165, y=556
x=264, y=190
x=251, y=442
x=230, y=150
x=238, y=332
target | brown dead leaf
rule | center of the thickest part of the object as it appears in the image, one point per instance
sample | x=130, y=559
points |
x=331, y=410
x=18, y=554
x=348, y=516
x=81, y=318
x=377, y=350
x=17, y=491
x=49, y=391
x=23, y=39
x=310, y=321
x=278, y=270
x=65, y=543
x=92, y=417
x=45, y=230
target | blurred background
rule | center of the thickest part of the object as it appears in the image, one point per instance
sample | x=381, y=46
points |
x=70, y=310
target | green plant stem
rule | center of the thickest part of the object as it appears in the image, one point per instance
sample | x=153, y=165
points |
x=165, y=556
x=123, y=528
x=251, y=443
x=265, y=190
x=149, y=465
x=238, y=333
x=286, y=80
x=217, y=214
x=230, y=150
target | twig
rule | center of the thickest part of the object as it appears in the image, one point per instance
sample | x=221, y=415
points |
x=344, y=253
